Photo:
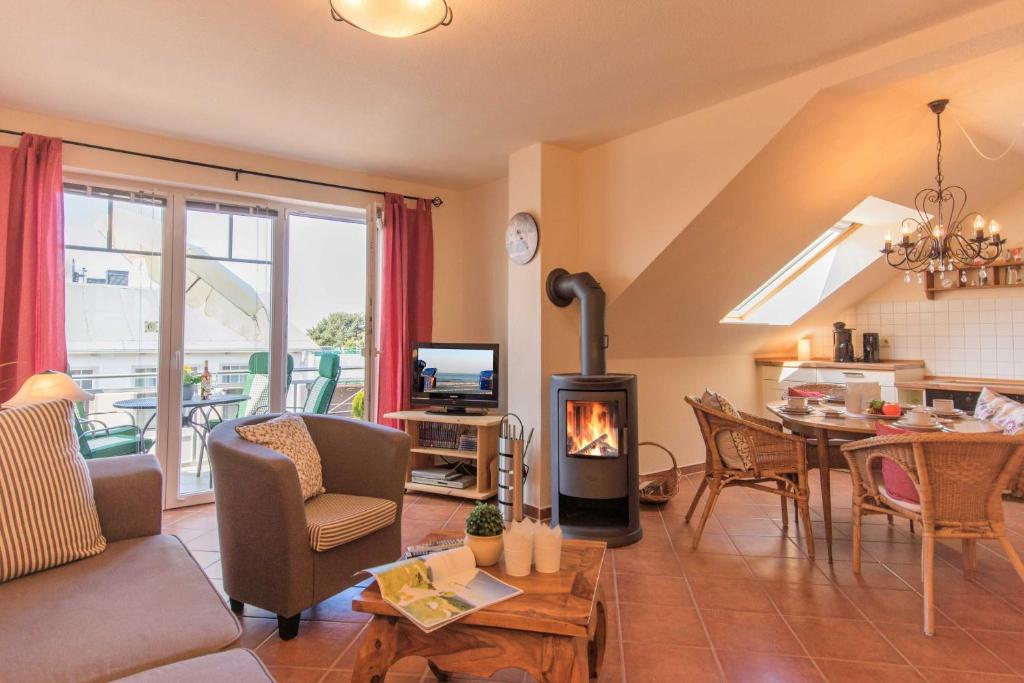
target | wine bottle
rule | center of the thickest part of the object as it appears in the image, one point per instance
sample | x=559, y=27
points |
x=206, y=382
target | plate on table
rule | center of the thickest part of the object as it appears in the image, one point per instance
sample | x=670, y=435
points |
x=833, y=413
x=795, y=411
x=974, y=427
x=880, y=416
x=934, y=426
x=956, y=412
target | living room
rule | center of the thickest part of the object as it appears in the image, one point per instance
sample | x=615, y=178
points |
x=244, y=211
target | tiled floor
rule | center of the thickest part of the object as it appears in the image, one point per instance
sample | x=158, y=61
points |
x=749, y=606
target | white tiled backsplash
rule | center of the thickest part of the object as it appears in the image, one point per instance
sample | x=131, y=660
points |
x=977, y=335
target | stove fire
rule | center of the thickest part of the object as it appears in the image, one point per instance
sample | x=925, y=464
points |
x=591, y=429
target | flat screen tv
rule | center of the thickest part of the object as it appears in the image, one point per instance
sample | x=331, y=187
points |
x=454, y=377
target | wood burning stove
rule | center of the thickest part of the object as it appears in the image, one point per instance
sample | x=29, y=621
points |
x=594, y=442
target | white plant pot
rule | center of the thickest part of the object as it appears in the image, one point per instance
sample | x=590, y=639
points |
x=486, y=549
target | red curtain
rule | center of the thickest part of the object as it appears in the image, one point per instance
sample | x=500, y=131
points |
x=32, y=335
x=407, y=298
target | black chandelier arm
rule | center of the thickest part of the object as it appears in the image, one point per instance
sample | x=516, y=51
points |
x=961, y=249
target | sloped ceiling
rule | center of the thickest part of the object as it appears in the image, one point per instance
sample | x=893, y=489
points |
x=281, y=78
x=845, y=145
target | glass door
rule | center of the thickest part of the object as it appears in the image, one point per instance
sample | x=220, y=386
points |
x=328, y=332
x=226, y=329
x=114, y=258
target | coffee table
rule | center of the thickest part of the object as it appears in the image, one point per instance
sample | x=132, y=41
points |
x=555, y=630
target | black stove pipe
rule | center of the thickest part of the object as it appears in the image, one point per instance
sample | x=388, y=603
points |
x=562, y=288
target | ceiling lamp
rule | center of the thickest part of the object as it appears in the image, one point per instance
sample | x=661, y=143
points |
x=942, y=237
x=393, y=18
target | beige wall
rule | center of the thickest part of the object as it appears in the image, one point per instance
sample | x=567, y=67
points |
x=449, y=279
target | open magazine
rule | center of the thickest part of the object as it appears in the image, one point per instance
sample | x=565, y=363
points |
x=438, y=589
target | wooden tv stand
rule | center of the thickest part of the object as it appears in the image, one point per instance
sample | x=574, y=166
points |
x=485, y=456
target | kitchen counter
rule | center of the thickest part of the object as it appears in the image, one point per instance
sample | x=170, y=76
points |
x=971, y=384
x=889, y=365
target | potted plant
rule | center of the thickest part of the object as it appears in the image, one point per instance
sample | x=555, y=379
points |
x=483, y=534
x=189, y=379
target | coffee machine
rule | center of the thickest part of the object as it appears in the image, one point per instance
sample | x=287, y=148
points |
x=872, y=348
x=842, y=343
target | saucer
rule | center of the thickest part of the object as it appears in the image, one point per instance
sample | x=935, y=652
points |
x=931, y=427
x=956, y=412
x=795, y=411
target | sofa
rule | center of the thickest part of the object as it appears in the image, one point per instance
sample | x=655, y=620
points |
x=142, y=603
x=266, y=529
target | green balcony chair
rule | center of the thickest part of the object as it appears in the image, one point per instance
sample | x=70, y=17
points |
x=257, y=384
x=97, y=440
x=318, y=398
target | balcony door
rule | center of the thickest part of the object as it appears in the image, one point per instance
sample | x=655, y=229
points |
x=165, y=284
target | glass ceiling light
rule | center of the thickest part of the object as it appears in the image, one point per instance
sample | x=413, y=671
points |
x=392, y=18
x=941, y=232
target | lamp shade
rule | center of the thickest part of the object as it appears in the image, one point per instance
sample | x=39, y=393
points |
x=393, y=18
x=48, y=386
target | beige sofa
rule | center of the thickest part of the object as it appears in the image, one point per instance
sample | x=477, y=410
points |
x=265, y=548
x=142, y=603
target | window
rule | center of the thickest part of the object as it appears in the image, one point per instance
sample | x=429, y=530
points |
x=82, y=375
x=826, y=264
x=233, y=374
x=145, y=376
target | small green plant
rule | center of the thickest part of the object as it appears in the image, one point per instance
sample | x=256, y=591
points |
x=190, y=376
x=359, y=404
x=484, y=520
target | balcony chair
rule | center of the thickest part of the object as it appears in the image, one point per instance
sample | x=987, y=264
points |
x=268, y=534
x=321, y=391
x=749, y=451
x=960, y=480
x=97, y=440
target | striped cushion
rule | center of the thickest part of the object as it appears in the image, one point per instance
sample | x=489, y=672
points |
x=316, y=391
x=337, y=518
x=259, y=396
x=47, y=513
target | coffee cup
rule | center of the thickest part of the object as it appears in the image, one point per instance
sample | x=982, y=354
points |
x=943, y=405
x=919, y=416
x=796, y=403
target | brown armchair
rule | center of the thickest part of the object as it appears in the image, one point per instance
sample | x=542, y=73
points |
x=266, y=549
x=774, y=457
x=960, y=479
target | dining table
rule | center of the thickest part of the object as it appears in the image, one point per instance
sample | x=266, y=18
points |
x=201, y=414
x=816, y=425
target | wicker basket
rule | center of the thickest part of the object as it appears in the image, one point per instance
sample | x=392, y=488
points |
x=660, y=487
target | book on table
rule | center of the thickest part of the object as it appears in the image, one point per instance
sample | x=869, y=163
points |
x=438, y=589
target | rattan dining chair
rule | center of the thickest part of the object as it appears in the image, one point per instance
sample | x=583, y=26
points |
x=774, y=457
x=836, y=390
x=960, y=479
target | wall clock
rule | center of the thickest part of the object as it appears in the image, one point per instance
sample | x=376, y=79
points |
x=522, y=238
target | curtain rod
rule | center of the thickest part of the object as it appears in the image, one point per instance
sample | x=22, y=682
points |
x=436, y=201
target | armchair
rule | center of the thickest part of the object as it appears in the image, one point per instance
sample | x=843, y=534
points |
x=265, y=527
x=960, y=479
x=772, y=457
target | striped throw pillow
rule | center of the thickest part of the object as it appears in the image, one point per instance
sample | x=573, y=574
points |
x=47, y=513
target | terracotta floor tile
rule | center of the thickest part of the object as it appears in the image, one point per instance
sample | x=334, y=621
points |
x=872, y=575
x=255, y=630
x=206, y=540
x=725, y=508
x=949, y=648
x=893, y=553
x=655, y=538
x=318, y=645
x=837, y=671
x=786, y=570
x=763, y=668
x=843, y=639
x=810, y=600
x=291, y=674
x=649, y=663
x=735, y=594
x=647, y=562
x=720, y=566
x=653, y=590
x=981, y=611
x=205, y=557
x=947, y=676
x=948, y=580
x=767, y=546
x=750, y=632
x=337, y=608
x=901, y=607
x=744, y=526
x=677, y=525
x=1007, y=646
x=718, y=544
x=1004, y=583
x=664, y=625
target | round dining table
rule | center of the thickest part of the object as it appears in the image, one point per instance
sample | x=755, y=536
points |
x=193, y=408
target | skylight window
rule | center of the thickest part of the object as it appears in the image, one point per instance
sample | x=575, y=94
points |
x=827, y=263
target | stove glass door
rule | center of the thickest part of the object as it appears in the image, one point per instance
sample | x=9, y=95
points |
x=592, y=429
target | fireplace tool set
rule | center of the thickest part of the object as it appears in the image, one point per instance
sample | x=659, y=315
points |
x=512, y=470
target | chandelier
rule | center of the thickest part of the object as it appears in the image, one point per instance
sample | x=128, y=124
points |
x=942, y=237
x=392, y=18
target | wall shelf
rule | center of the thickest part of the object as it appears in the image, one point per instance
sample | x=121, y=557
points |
x=1001, y=275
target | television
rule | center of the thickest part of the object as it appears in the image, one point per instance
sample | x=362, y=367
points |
x=453, y=377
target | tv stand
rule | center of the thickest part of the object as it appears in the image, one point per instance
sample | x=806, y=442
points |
x=456, y=410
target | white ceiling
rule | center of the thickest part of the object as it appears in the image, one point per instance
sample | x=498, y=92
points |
x=279, y=77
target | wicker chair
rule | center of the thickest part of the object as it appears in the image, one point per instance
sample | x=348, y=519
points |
x=776, y=457
x=837, y=390
x=960, y=479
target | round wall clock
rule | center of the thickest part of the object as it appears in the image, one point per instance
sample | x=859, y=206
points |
x=522, y=238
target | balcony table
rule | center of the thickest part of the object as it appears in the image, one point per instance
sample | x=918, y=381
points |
x=203, y=407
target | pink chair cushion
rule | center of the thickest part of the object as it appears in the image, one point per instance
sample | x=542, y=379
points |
x=898, y=483
x=800, y=393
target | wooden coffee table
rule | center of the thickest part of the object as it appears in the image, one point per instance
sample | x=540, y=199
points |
x=555, y=630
